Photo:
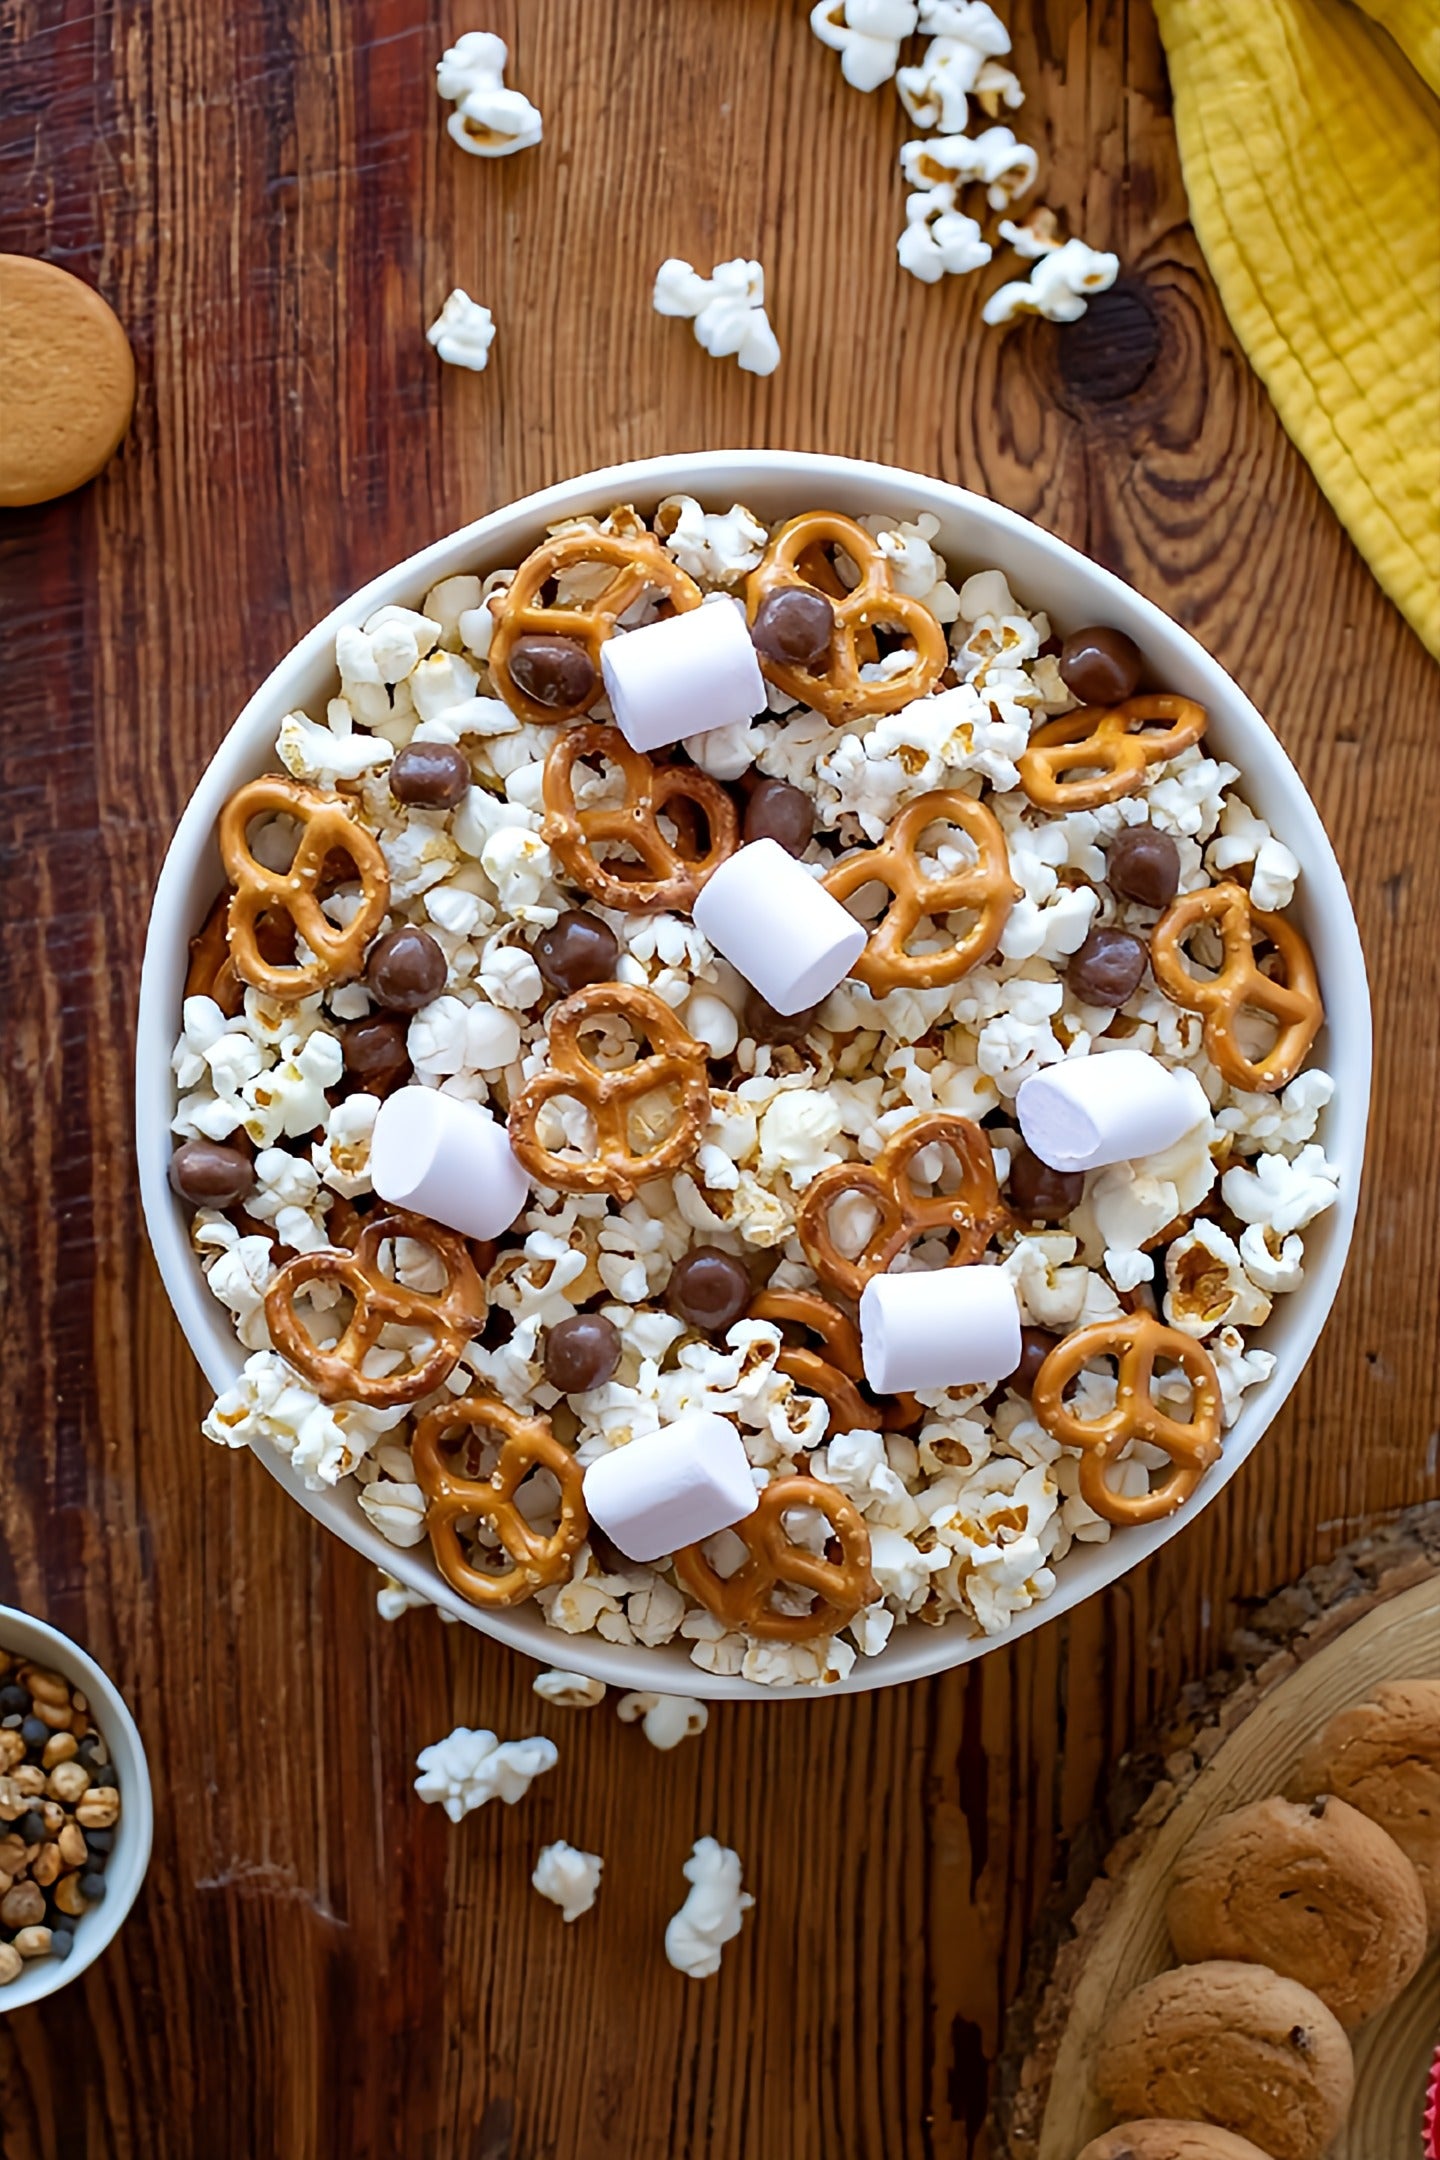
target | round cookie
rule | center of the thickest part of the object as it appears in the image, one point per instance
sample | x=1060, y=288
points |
x=67, y=381
x=1383, y=1757
x=1318, y=1892
x=1232, y=2044
x=1157, y=2140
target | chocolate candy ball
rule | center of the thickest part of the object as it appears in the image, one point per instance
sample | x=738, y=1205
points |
x=557, y=672
x=708, y=1289
x=374, y=1049
x=794, y=627
x=209, y=1175
x=1108, y=967
x=765, y=1025
x=1036, y=1343
x=1142, y=863
x=1099, y=666
x=581, y=1353
x=405, y=969
x=1040, y=1194
x=777, y=811
x=432, y=775
x=578, y=949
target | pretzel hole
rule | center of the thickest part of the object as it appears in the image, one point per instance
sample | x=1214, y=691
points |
x=272, y=838
x=851, y=1220
x=650, y=1119
x=565, y=1128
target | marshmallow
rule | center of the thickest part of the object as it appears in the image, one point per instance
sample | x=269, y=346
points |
x=945, y=1327
x=683, y=676
x=1115, y=1107
x=673, y=1487
x=774, y=922
x=447, y=1160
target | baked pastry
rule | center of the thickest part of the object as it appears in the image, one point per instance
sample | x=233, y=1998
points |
x=1383, y=1757
x=1232, y=2044
x=1314, y=1890
x=1155, y=2139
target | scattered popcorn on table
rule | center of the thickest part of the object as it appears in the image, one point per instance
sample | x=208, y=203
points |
x=568, y=1877
x=463, y=332
x=467, y=1769
x=727, y=308
x=1058, y=286
x=712, y=1912
x=867, y=34
x=570, y=1690
x=489, y=120
x=665, y=1720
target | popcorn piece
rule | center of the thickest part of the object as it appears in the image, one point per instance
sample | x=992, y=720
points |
x=239, y=1278
x=915, y=565
x=450, y=1036
x=466, y=1769
x=1273, y=1262
x=342, y=1158
x=867, y=34
x=394, y=1598
x=1004, y=167
x=719, y=547
x=325, y=755
x=940, y=240
x=712, y=1912
x=1209, y=1286
x=728, y=310
x=936, y=93
x=396, y=1508
x=1245, y=838
x=271, y=1403
x=1281, y=1195
x=1237, y=1368
x=568, y=1877
x=1057, y=287
x=570, y=1690
x=796, y=1133
x=666, y=1720
x=1037, y=234
x=463, y=332
x=488, y=120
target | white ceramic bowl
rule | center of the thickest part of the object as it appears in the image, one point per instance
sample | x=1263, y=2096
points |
x=974, y=534
x=125, y=1870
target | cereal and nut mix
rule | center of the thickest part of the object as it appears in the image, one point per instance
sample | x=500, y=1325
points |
x=435, y=888
x=59, y=1802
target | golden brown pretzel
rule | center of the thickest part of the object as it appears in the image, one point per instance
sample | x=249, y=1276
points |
x=452, y=1493
x=1192, y=1443
x=449, y=1316
x=639, y=564
x=1107, y=739
x=209, y=972
x=986, y=888
x=831, y=1373
x=1294, y=1004
x=676, y=1062
x=742, y=1600
x=974, y=1210
x=840, y=691
x=326, y=827
x=675, y=873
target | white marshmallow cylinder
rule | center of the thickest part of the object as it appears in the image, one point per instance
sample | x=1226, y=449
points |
x=788, y=937
x=941, y=1328
x=1087, y=1112
x=683, y=676
x=673, y=1487
x=447, y=1160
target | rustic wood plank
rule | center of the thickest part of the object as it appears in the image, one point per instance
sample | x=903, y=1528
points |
x=266, y=194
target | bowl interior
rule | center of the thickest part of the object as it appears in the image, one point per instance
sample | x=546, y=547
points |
x=37, y=1640
x=974, y=534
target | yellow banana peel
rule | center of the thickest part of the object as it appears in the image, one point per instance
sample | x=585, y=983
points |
x=1310, y=138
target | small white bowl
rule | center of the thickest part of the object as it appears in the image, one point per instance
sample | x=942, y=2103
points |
x=125, y=1870
x=974, y=534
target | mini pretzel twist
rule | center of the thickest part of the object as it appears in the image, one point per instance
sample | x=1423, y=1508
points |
x=638, y=565
x=325, y=826
x=795, y=559
x=986, y=888
x=742, y=1600
x=1294, y=1004
x=1192, y=1444
x=676, y=1062
x=676, y=873
x=974, y=1210
x=209, y=972
x=452, y=1493
x=1110, y=739
x=449, y=1316
x=831, y=1373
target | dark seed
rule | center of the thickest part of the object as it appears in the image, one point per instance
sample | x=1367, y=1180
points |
x=92, y=1888
x=1142, y=863
x=375, y=1049
x=34, y=1732
x=86, y=1751
x=13, y=1698
x=432, y=774
x=1108, y=967
x=765, y=1025
x=209, y=1175
x=794, y=626
x=1035, y=1346
x=581, y=1353
x=1100, y=666
x=556, y=672
x=708, y=1289
x=31, y=1828
x=405, y=969
x=99, y=1843
x=777, y=811
x=62, y=1942
x=577, y=950
x=1041, y=1194
x=105, y=1776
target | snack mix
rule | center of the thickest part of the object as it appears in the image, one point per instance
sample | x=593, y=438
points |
x=59, y=1804
x=463, y=877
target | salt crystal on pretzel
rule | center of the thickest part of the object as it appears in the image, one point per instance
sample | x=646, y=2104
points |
x=1090, y=1111
x=939, y=1328
x=775, y=923
x=684, y=675
x=672, y=1488
x=447, y=1160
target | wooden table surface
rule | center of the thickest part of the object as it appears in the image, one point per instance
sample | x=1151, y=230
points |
x=318, y=1964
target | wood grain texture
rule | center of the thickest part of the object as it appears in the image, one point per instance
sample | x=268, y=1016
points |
x=266, y=195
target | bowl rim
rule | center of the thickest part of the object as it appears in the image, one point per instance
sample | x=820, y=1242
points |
x=135, y=1832
x=914, y=1652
